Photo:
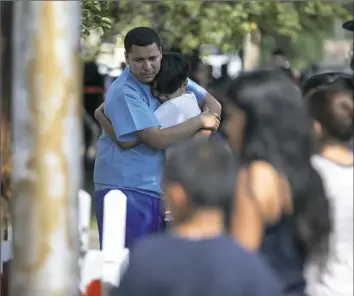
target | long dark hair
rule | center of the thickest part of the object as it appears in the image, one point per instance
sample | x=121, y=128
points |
x=279, y=131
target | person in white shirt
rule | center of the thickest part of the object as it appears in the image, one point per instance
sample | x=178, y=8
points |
x=331, y=107
x=177, y=105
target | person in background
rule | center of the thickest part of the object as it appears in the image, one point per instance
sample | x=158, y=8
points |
x=349, y=26
x=130, y=107
x=280, y=60
x=211, y=78
x=197, y=257
x=281, y=209
x=331, y=107
x=224, y=80
x=199, y=72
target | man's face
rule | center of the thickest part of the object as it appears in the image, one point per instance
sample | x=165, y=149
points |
x=144, y=62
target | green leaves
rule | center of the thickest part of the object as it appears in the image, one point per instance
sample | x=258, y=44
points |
x=94, y=17
x=224, y=23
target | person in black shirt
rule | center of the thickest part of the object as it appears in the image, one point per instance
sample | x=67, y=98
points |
x=197, y=257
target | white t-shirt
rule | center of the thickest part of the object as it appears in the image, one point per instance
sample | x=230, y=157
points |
x=337, y=277
x=177, y=110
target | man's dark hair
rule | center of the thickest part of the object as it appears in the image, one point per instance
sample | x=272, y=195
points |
x=141, y=36
x=206, y=170
x=173, y=73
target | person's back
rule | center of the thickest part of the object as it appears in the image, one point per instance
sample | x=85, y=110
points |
x=177, y=110
x=337, y=277
x=171, y=265
x=197, y=258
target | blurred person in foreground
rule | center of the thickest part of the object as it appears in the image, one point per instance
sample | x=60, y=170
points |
x=330, y=103
x=281, y=208
x=197, y=257
x=130, y=107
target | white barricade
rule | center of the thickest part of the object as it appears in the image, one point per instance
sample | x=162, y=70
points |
x=115, y=255
x=109, y=264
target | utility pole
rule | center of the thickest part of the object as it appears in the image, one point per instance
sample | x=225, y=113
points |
x=46, y=149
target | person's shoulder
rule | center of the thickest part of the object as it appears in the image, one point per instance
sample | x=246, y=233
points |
x=125, y=83
x=122, y=91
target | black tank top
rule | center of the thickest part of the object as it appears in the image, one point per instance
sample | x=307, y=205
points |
x=282, y=252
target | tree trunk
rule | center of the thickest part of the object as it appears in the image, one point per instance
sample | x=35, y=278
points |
x=46, y=150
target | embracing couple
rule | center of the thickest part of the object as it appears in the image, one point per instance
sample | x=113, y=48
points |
x=151, y=106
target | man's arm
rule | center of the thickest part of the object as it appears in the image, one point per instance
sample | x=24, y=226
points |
x=205, y=100
x=158, y=138
x=106, y=125
x=133, y=118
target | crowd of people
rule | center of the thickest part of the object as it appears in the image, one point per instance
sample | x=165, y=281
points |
x=266, y=209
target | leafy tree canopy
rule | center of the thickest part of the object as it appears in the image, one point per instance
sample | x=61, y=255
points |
x=190, y=23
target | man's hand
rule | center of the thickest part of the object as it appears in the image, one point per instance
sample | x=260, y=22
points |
x=210, y=121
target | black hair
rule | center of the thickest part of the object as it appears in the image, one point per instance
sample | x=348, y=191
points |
x=325, y=78
x=172, y=75
x=279, y=131
x=141, y=36
x=339, y=129
x=206, y=170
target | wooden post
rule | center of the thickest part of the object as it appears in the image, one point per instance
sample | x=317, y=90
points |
x=46, y=151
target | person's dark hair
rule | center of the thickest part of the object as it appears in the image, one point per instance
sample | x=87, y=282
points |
x=325, y=78
x=172, y=75
x=339, y=129
x=279, y=131
x=206, y=170
x=141, y=36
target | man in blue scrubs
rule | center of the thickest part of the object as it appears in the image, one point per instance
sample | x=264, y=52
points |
x=130, y=106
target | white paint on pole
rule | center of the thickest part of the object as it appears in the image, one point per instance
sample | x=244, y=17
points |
x=47, y=139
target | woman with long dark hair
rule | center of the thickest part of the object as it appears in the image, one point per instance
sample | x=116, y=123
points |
x=281, y=208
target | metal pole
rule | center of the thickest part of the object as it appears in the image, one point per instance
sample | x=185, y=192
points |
x=47, y=142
